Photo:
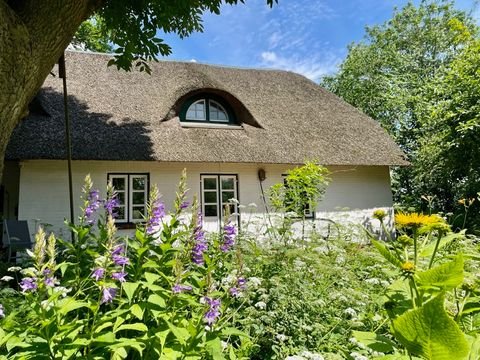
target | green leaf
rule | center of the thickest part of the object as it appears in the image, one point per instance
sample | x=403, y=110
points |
x=428, y=250
x=130, y=289
x=157, y=300
x=445, y=276
x=230, y=331
x=180, y=333
x=474, y=348
x=105, y=338
x=119, y=321
x=137, y=311
x=137, y=326
x=14, y=342
x=374, y=341
x=119, y=353
x=387, y=254
x=69, y=304
x=103, y=326
x=151, y=278
x=214, y=348
x=429, y=332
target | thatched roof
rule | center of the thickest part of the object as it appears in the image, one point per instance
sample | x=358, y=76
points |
x=284, y=117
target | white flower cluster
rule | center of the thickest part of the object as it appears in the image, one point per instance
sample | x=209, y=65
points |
x=306, y=355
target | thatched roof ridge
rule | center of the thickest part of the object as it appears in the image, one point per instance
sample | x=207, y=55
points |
x=284, y=117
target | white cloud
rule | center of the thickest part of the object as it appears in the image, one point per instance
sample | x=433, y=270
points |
x=314, y=67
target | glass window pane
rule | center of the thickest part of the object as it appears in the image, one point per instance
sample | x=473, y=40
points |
x=217, y=112
x=227, y=183
x=196, y=111
x=210, y=210
x=138, y=198
x=118, y=183
x=120, y=212
x=227, y=195
x=121, y=198
x=138, y=213
x=210, y=183
x=138, y=183
x=210, y=197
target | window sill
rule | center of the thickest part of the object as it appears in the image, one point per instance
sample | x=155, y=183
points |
x=126, y=226
x=205, y=125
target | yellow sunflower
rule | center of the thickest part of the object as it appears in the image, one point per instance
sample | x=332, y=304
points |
x=415, y=220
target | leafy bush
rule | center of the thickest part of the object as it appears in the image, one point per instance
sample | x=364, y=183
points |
x=157, y=295
x=433, y=304
x=310, y=299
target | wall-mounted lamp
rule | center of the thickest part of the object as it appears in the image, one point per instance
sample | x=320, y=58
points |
x=261, y=175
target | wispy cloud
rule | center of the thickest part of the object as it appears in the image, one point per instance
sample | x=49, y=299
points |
x=314, y=67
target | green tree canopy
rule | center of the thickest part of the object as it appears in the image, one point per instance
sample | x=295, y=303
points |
x=93, y=35
x=448, y=163
x=392, y=75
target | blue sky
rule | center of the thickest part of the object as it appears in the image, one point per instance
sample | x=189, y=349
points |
x=306, y=36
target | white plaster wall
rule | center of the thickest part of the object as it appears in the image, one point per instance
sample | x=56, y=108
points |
x=44, y=186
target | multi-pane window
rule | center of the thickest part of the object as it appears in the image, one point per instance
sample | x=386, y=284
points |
x=217, y=190
x=132, y=195
x=197, y=111
x=207, y=108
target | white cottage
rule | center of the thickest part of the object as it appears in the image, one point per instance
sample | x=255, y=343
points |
x=222, y=124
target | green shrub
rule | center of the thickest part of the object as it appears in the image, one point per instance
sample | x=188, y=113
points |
x=157, y=295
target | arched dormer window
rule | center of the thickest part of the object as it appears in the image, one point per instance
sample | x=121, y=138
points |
x=207, y=108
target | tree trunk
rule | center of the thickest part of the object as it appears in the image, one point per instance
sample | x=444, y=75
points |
x=33, y=35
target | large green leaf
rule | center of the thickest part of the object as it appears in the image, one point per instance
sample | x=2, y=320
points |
x=430, y=333
x=69, y=304
x=387, y=254
x=214, y=348
x=445, y=276
x=130, y=289
x=398, y=298
x=374, y=341
x=474, y=348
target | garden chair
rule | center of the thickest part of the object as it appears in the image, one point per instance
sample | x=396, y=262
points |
x=16, y=237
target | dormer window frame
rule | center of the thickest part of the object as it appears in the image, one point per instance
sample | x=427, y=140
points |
x=208, y=101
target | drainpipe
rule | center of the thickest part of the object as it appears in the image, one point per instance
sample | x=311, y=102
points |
x=62, y=73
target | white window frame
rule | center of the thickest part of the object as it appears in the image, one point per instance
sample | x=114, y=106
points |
x=128, y=178
x=210, y=102
x=219, y=192
x=204, y=111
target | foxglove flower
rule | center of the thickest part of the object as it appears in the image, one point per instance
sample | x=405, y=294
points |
x=213, y=312
x=179, y=288
x=93, y=203
x=108, y=294
x=234, y=291
x=98, y=273
x=2, y=311
x=117, y=250
x=158, y=213
x=50, y=281
x=229, y=234
x=111, y=205
x=200, y=242
x=120, y=260
x=28, y=284
x=242, y=283
x=120, y=276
